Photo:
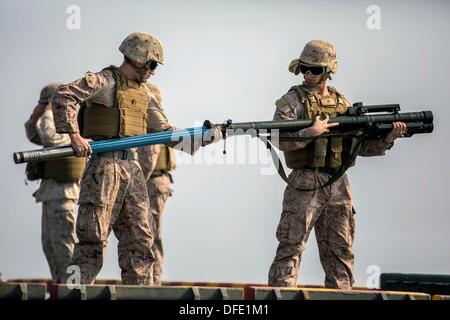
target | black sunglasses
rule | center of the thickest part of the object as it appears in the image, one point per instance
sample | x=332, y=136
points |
x=152, y=64
x=313, y=69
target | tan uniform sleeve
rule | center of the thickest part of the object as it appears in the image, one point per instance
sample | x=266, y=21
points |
x=47, y=132
x=148, y=157
x=289, y=107
x=374, y=147
x=31, y=132
x=158, y=121
x=67, y=96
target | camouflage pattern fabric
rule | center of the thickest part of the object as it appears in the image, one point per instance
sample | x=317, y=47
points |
x=58, y=235
x=159, y=187
x=142, y=47
x=328, y=210
x=316, y=53
x=100, y=88
x=96, y=88
x=320, y=53
x=159, y=190
x=47, y=92
x=114, y=194
x=288, y=107
x=58, y=198
x=114, y=197
x=113, y=191
x=43, y=132
x=148, y=157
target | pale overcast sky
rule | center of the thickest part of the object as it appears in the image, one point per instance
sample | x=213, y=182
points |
x=229, y=59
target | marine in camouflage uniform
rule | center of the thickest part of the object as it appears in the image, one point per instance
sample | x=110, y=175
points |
x=313, y=161
x=59, y=188
x=113, y=192
x=157, y=163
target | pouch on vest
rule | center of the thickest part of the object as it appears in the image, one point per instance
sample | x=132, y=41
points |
x=34, y=170
x=68, y=169
x=320, y=151
x=100, y=121
x=327, y=105
x=166, y=159
x=297, y=159
x=334, y=159
x=132, y=101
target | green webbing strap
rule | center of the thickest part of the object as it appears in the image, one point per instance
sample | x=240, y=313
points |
x=344, y=167
x=282, y=173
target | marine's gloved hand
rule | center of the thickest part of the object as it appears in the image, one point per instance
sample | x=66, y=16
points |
x=212, y=135
x=80, y=144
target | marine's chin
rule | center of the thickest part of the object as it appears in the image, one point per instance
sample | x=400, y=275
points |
x=142, y=79
x=311, y=81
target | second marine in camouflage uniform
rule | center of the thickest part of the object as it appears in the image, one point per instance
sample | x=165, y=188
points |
x=59, y=188
x=157, y=162
x=328, y=209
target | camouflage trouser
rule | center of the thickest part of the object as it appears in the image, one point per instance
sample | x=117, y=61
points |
x=159, y=190
x=329, y=211
x=114, y=196
x=58, y=235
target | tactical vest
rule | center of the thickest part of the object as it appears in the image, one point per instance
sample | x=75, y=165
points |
x=68, y=169
x=327, y=152
x=166, y=159
x=128, y=116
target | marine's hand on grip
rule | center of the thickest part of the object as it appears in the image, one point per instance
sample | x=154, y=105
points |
x=80, y=144
x=398, y=129
x=321, y=126
x=213, y=134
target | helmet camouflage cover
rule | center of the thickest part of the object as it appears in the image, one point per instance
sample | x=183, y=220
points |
x=316, y=53
x=141, y=47
x=320, y=53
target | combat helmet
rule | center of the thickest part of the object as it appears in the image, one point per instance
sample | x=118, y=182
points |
x=316, y=53
x=141, y=47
